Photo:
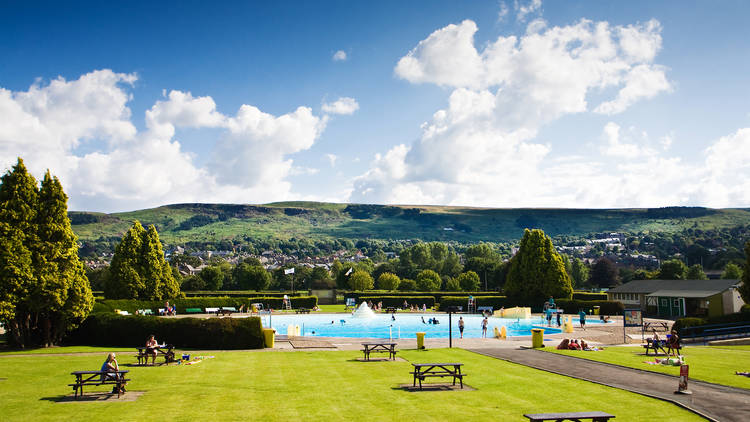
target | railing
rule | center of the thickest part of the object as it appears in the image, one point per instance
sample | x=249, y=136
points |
x=716, y=331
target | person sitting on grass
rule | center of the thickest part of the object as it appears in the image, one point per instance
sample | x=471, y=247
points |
x=111, y=368
x=151, y=346
x=563, y=344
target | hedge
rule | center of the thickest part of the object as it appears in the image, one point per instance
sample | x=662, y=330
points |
x=606, y=307
x=719, y=319
x=437, y=295
x=131, y=305
x=589, y=296
x=242, y=293
x=496, y=302
x=194, y=333
x=398, y=301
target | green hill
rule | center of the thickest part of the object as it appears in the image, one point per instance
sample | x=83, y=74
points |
x=182, y=223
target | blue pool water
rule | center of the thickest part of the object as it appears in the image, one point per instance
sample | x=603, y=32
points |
x=404, y=326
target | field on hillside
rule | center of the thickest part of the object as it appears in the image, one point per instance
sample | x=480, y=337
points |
x=315, y=221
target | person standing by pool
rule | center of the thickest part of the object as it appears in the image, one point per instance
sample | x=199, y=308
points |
x=484, y=327
x=582, y=319
x=461, y=326
x=549, y=316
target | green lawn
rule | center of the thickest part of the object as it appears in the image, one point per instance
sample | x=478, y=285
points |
x=328, y=385
x=707, y=363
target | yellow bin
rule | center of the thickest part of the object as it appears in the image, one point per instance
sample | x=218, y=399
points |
x=537, y=338
x=269, y=336
x=420, y=341
x=596, y=310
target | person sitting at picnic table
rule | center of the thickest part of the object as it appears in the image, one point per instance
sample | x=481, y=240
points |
x=674, y=342
x=111, y=367
x=151, y=346
x=655, y=340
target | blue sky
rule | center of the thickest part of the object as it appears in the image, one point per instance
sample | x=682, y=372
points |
x=496, y=103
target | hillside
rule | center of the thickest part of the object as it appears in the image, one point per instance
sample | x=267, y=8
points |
x=182, y=223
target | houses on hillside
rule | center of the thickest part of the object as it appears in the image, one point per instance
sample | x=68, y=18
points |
x=678, y=298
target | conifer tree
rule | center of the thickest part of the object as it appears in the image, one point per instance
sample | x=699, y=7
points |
x=537, y=271
x=62, y=296
x=138, y=269
x=744, y=288
x=43, y=288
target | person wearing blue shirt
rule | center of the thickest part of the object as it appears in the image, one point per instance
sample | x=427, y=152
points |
x=582, y=318
x=549, y=312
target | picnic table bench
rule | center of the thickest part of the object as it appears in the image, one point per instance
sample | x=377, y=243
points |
x=99, y=378
x=384, y=347
x=228, y=310
x=663, y=345
x=302, y=311
x=166, y=350
x=652, y=325
x=569, y=416
x=425, y=370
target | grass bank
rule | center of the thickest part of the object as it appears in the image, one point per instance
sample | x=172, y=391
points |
x=707, y=363
x=321, y=385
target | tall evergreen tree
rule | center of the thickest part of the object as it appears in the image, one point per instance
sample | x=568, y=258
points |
x=62, y=296
x=43, y=287
x=138, y=269
x=537, y=271
x=745, y=285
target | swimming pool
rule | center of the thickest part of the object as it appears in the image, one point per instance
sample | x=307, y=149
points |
x=404, y=325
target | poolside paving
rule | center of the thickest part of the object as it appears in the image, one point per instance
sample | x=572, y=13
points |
x=712, y=401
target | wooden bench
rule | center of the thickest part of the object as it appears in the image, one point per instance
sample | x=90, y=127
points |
x=569, y=416
x=386, y=347
x=302, y=311
x=425, y=370
x=651, y=345
x=99, y=378
x=193, y=311
x=229, y=310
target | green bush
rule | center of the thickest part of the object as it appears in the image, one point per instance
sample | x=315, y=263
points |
x=496, y=302
x=572, y=306
x=745, y=308
x=398, y=301
x=131, y=305
x=589, y=296
x=437, y=295
x=194, y=333
x=687, y=322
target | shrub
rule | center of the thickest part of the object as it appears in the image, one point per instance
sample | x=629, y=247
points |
x=453, y=285
x=398, y=301
x=589, y=296
x=131, y=305
x=428, y=281
x=469, y=281
x=606, y=307
x=361, y=280
x=687, y=322
x=388, y=281
x=198, y=333
x=496, y=302
x=407, y=285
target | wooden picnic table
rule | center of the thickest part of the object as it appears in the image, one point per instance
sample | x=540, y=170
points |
x=569, y=416
x=653, y=345
x=302, y=311
x=225, y=312
x=166, y=350
x=382, y=347
x=390, y=309
x=424, y=370
x=116, y=378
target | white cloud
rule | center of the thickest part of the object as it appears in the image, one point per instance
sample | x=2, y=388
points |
x=503, y=12
x=482, y=148
x=526, y=9
x=344, y=105
x=332, y=159
x=339, y=56
x=128, y=169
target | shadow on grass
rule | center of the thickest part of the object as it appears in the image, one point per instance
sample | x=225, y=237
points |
x=101, y=397
x=432, y=387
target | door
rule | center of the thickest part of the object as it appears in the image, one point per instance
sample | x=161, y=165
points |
x=677, y=306
x=664, y=309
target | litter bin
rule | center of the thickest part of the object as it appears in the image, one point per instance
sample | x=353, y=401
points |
x=420, y=341
x=596, y=310
x=537, y=338
x=269, y=336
